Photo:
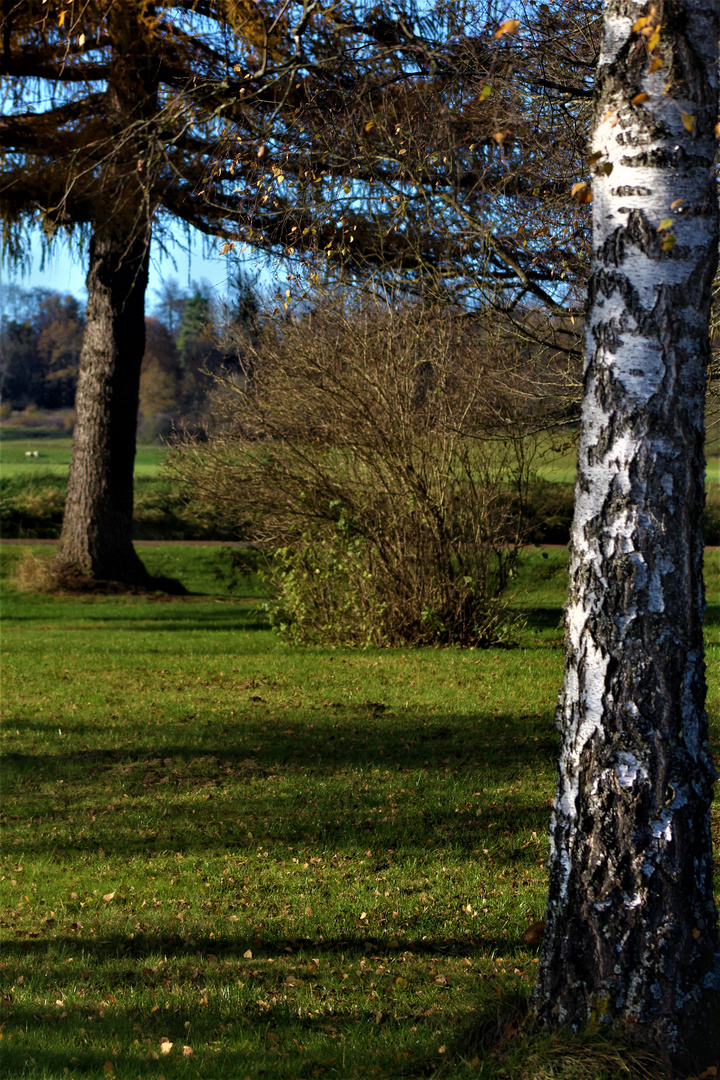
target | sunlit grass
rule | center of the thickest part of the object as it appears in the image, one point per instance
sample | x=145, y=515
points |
x=293, y=862
x=54, y=456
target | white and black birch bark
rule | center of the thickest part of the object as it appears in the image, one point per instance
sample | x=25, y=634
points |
x=631, y=931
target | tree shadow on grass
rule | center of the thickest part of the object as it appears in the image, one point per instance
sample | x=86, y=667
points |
x=322, y=778
x=188, y=992
x=224, y=615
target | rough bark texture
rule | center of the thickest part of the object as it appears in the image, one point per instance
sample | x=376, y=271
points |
x=96, y=538
x=631, y=922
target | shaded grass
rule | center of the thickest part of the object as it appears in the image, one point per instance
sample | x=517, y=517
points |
x=32, y=504
x=297, y=863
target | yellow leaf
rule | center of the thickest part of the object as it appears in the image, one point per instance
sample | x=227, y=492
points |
x=665, y=224
x=639, y=24
x=688, y=121
x=81, y=40
x=227, y=247
x=675, y=203
x=654, y=40
x=108, y=897
x=165, y=1046
x=581, y=193
x=655, y=64
x=485, y=93
x=669, y=242
x=500, y=136
x=595, y=157
x=717, y=131
x=639, y=99
x=61, y=18
x=369, y=126
x=510, y=26
x=247, y=955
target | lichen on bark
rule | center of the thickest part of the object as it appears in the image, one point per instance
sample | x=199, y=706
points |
x=631, y=923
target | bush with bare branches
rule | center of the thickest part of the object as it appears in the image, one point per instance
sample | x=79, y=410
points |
x=380, y=455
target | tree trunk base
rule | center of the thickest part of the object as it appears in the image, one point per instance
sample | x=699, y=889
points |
x=70, y=578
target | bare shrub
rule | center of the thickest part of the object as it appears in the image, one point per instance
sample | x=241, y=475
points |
x=380, y=452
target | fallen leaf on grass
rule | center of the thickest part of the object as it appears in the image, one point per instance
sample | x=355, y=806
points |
x=247, y=955
x=108, y=897
x=108, y=1068
x=187, y=1051
x=165, y=1046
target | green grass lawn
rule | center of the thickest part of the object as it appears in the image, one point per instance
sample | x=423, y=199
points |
x=32, y=492
x=292, y=862
x=54, y=456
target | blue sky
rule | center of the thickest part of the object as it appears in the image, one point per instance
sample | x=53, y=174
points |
x=64, y=271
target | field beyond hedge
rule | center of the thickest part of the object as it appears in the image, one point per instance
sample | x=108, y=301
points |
x=284, y=862
x=32, y=493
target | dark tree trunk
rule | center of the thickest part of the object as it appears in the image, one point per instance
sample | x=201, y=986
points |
x=631, y=923
x=96, y=538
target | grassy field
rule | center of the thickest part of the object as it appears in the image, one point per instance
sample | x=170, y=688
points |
x=53, y=452
x=285, y=863
x=32, y=492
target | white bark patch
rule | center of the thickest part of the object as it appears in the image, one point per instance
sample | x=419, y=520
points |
x=662, y=568
x=662, y=828
x=629, y=769
x=617, y=31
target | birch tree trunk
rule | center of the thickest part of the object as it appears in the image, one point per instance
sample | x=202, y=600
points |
x=631, y=928
x=96, y=537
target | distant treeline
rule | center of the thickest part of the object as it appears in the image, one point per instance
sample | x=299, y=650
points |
x=188, y=339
